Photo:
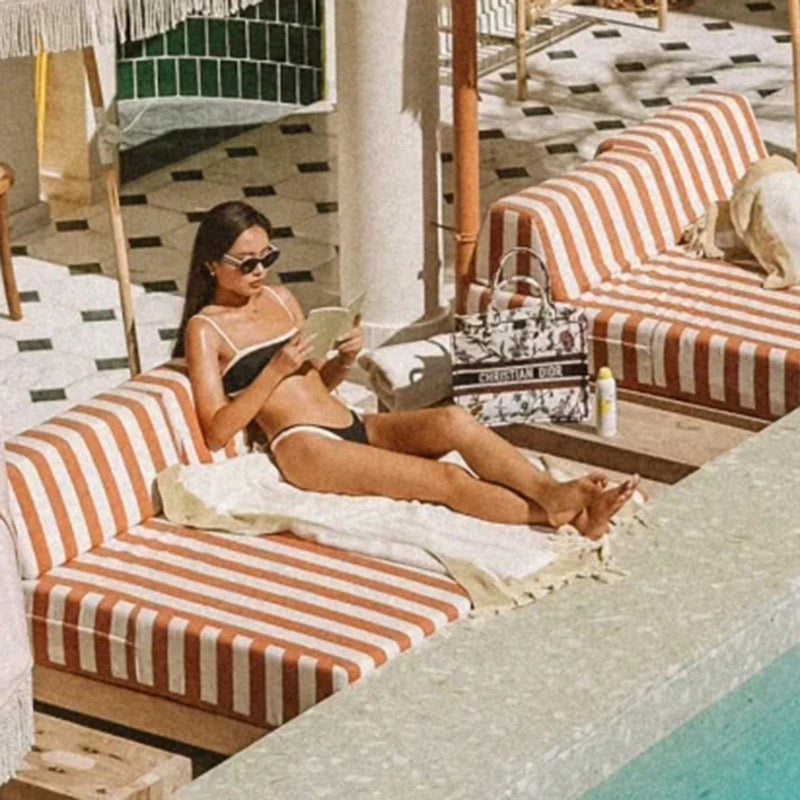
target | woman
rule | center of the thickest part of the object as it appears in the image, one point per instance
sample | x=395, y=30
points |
x=248, y=359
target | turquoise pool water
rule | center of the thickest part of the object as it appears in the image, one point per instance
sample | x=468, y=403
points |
x=745, y=747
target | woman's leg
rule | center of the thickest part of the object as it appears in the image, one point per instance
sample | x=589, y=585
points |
x=433, y=432
x=314, y=462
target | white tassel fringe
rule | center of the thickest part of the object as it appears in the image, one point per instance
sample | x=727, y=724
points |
x=74, y=24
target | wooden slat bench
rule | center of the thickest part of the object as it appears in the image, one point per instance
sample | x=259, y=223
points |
x=72, y=762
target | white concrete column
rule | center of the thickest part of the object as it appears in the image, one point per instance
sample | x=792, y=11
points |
x=388, y=105
x=71, y=167
x=329, y=50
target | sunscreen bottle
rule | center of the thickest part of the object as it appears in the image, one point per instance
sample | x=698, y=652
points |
x=605, y=417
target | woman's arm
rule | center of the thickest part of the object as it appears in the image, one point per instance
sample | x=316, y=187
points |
x=334, y=370
x=220, y=418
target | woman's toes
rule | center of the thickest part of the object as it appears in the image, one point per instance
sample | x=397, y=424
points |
x=597, y=478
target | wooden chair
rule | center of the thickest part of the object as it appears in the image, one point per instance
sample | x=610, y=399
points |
x=527, y=14
x=9, y=282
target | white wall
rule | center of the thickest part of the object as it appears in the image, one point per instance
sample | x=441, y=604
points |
x=70, y=163
x=18, y=135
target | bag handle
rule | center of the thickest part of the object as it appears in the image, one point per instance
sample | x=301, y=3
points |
x=542, y=288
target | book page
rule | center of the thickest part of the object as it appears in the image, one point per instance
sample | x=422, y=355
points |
x=329, y=324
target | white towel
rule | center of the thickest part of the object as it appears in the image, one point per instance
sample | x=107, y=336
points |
x=412, y=374
x=497, y=564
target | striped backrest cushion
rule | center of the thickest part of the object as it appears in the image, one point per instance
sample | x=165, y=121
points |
x=709, y=141
x=631, y=202
x=170, y=384
x=593, y=223
x=479, y=297
x=85, y=475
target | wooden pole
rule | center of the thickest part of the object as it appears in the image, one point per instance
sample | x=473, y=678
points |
x=794, y=28
x=520, y=38
x=9, y=281
x=466, y=150
x=115, y=216
x=662, y=14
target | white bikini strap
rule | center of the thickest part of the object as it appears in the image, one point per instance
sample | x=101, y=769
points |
x=282, y=302
x=219, y=330
x=293, y=429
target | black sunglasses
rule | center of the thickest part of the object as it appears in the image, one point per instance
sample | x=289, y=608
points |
x=247, y=265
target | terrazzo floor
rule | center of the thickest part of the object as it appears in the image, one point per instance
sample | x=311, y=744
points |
x=606, y=76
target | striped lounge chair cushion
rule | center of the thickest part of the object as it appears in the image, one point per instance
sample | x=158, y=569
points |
x=86, y=475
x=170, y=384
x=633, y=201
x=701, y=330
x=256, y=628
x=708, y=142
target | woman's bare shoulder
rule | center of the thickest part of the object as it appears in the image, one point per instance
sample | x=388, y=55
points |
x=198, y=327
x=210, y=310
x=281, y=290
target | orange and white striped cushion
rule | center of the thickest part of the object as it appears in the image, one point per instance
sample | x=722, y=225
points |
x=479, y=297
x=85, y=475
x=701, y=330
x=170, y=383
x=634, y=200
x=708, y=142
x=258, y=628
x=597, y=221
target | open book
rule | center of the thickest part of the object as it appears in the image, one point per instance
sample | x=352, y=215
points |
x=329, y=324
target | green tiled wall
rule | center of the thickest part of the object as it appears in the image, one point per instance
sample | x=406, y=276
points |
x=271, y=51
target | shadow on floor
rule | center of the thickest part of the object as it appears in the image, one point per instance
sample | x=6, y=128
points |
x=172, y=147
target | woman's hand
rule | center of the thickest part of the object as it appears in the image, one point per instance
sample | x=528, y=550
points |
x=293, y=354
x=351, y=344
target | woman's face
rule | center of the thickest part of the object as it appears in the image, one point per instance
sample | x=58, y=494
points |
x=237, y=271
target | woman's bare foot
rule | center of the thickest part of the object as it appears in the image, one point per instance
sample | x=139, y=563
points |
x=566, y=500
x=594, y=521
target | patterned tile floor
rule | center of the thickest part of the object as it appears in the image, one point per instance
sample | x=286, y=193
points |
x=604, y=77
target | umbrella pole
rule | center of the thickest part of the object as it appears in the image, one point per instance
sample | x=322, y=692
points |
x=662, y=14
x=520, y=40
x=111, y=180
x=794, y=28
x=465, y=140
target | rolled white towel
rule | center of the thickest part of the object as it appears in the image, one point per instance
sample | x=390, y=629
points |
x=411, y=374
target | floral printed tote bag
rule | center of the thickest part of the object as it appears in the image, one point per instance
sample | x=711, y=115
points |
x=522, y=365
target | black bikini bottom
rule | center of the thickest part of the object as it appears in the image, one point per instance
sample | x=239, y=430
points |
x=354, y=432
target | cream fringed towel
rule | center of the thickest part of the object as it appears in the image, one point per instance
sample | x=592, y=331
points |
x=500, y=566
x=16, y=691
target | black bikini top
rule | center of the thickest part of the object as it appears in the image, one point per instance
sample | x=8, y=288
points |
x=247, y=363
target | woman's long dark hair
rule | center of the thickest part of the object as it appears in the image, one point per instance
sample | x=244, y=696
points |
x=220, y=228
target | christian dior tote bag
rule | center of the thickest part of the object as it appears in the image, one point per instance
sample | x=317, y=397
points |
x=522, y=365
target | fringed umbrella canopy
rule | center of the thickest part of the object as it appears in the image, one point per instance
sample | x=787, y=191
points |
x=26, y=26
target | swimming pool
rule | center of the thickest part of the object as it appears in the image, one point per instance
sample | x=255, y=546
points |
x=744, y=747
